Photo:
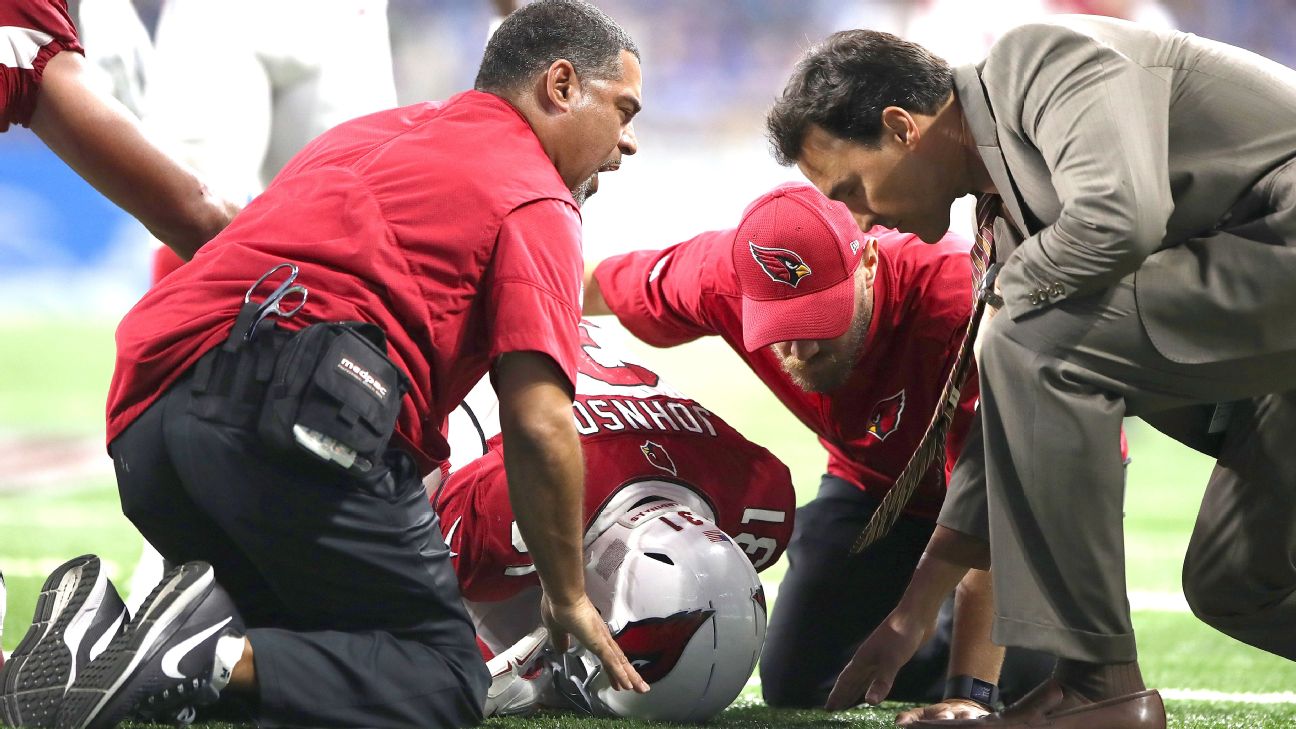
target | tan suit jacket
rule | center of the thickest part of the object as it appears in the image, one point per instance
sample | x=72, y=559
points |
x=1121, y=150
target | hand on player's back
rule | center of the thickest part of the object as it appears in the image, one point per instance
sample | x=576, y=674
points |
x=581, y=620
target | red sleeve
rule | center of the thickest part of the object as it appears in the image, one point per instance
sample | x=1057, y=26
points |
x=534, y=291
x=31, y=33
x=668, y=297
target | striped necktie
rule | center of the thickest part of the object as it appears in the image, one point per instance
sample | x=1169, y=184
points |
x=931, y=450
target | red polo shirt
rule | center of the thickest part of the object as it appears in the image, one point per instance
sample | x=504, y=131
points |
x=873, y=423
x=443, y=223
x=31, y=33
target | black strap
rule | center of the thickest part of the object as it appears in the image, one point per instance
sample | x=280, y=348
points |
x=971, y=688
x=238, y=335
x=476, y=424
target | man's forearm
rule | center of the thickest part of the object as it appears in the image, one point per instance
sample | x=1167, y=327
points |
x=933, y=580
x=971, y=651
x=546, y=488
x=546, y=475
x=957, y=548
x=943, y=569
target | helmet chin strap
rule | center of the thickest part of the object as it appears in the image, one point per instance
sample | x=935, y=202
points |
x=571, y=681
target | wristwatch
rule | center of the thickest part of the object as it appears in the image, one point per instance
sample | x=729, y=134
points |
x=972, y=689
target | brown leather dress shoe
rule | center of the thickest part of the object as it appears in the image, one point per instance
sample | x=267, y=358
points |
x=1054, y=706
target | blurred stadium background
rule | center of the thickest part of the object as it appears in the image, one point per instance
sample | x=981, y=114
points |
x=71, y=264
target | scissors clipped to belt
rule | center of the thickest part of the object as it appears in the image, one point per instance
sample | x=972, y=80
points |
x=253, y=313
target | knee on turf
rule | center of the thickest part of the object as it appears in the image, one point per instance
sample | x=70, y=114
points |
x=785, y=688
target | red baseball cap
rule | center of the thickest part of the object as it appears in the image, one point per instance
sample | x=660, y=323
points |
x=795, y=253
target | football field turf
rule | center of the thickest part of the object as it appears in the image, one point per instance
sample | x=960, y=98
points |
x=57, y=500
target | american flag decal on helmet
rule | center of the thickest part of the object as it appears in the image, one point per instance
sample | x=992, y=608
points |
x=715, y=535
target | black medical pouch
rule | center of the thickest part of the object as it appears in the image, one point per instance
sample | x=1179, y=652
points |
x=334, y=394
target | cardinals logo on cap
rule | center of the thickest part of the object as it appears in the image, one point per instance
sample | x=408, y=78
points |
x=658, y=457
x=886, y=416
x=654, y=645
x=780, y=264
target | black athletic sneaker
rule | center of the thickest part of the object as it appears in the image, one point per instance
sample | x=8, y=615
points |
x=77, y=614
x=164, y=664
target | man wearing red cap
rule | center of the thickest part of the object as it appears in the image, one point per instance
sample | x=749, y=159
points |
x=855, y=333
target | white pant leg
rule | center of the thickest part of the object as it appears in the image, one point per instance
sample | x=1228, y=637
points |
x=148, y=573
x=118, y=48
x=209, y=97
x=331, y=64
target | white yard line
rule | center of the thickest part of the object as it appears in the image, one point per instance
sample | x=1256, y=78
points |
x=1282, y=697
x=1279, y=697
x=1158, y=602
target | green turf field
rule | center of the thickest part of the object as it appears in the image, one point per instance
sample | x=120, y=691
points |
x=51, y=403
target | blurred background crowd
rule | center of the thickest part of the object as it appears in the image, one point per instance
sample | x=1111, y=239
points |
x=712, y=67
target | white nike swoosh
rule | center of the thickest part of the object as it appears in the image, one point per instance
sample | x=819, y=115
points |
x=171, y=659
x=102, y=644
x=450, y=535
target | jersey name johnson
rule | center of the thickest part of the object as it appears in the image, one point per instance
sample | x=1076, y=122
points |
x=596, y=414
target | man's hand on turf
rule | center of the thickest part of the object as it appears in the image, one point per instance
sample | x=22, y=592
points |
x=947, y=709
x=872, y=670
x=581, y=620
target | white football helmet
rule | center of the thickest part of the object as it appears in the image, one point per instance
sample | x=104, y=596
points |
x=683, y=602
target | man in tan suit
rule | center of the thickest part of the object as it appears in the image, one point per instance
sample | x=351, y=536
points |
x=1147, y=239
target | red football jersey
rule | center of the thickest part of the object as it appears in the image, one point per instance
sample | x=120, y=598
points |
x=459, y=256
x=874, y=422
x=641, y=440
x=31, y=33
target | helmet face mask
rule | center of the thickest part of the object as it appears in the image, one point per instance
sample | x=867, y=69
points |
x=685, y=605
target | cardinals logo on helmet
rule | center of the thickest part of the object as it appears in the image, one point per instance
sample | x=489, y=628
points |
x=758, y=597
x=780, y=264
x=886, y=416
x=654, y=645
x=658, y=457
